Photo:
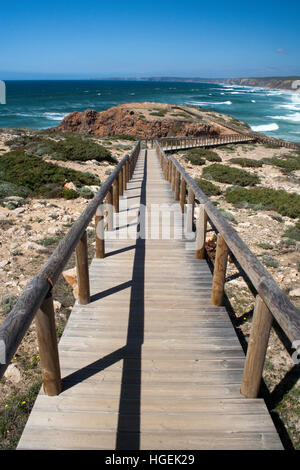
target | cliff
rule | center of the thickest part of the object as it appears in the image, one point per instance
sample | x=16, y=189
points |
x=143, y=120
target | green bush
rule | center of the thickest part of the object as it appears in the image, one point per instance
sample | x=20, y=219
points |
x=284, y=203
x=246, y=162
x=230, y=175
x=86, y=193
x=287, y=163
x=269, y=261
x=208, y=187
x=293, y=232
x=49, y=241
x=10, y=189
x=195, y=159
x=68, y=147
x=266, y=246
x=7, y=303
x=40, y=177
x=228, y=215
x=209, y=155
x=70, y=194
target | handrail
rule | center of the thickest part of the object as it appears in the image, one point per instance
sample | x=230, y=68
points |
x=273, y=299
x=37, y=291
x=174, y=143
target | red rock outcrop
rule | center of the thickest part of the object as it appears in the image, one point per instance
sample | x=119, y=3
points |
x=135, y=119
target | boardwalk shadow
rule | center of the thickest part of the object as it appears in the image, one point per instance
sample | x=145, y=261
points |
x=135, y=338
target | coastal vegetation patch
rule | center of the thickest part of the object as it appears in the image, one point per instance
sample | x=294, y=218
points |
x=209, y=188
x=68, y=147
x=246, y=162
x=286, y=204
x=285, y=162
x=22, y=172
x=198, y=156
x=230, y=175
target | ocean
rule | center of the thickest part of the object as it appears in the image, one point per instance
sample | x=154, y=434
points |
x=43, y=104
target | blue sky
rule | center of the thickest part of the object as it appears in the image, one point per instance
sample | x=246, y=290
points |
x=80, y=39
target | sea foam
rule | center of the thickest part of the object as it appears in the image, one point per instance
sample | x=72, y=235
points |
x=265, y=127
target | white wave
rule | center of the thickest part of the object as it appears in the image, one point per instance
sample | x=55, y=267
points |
x=207, y=103
x=265, y=127
x=99, y=94
x=55, y=116
x=295, y=117
x=253, y=101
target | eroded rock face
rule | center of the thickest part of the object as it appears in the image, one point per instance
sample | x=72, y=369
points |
x=135, y=119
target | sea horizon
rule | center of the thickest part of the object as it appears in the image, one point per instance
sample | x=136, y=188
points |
x=43, y=103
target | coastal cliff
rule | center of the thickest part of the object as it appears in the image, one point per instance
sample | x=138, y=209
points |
x=143, y=120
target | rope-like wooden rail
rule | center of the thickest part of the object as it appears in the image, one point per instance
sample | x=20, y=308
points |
x=271, y=301
x=37, y=300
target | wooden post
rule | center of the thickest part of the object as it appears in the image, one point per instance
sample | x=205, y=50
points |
x=83, y=271
x=170, y=171
x=182, y=194
x=201, y=233
x=120, y=178
x=99, y=225
x=257, y=347
x=116, y=194
x=173, y=177
x=124, y=177
x=219, y=272
x=110, y=212
x=190, y=211
x=127, y=171
x=176, y=185
x=46, y=333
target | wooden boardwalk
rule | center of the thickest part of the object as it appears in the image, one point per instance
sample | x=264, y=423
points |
x=149, y=363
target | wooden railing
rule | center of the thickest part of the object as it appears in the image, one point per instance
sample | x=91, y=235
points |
x=246, y=132
x=37, y=300
x=173, y=143
x=271, y=301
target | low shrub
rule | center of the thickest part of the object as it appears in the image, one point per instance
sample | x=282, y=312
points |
x=246, y=162
x=86, y=193
x=40, y=177
x=287, y=163
x=293, y=232
x=266, y=246
x=69, y=194
x=228, y=215
x=198, y=154
x=230, y=175
x=7, y=303
x=47, y=241
x=287, y=204
x=208, y=187
x=68, y=147
x=269, y=261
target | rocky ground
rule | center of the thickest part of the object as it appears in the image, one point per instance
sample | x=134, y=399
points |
x=30, y=233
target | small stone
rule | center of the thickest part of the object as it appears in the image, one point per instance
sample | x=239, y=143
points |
x=19, y=210
x=57, y=305
x=70, y=186
x=3, y=263
x=12, y=374
x=295, y=293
